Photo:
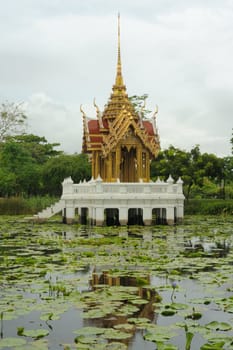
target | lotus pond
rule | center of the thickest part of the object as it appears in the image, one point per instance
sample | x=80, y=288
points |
x=76, y=287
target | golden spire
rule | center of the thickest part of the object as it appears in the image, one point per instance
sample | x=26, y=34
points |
x=119, y=97
x=119, y=78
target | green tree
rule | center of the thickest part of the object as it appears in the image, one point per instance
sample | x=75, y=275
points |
x=37, y=146
x=7, y=182
x=22, y=158
x=21, y=174
x=139, y=103
x=192, y=166
x=12, y=119
x=58, y=168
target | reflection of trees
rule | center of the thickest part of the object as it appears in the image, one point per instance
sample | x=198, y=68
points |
x=143, y=291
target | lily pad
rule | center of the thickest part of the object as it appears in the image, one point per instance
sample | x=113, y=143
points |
x=163, y=346
x=127, y=327
x=35, y=333
x=160, y=334
x=111, y=333
x=11, y=342
x=40, y=344
x=213, y=346
x=219, y=326
x=168, y=312
x=85, y=339
x=89, y=330
x=178, y=306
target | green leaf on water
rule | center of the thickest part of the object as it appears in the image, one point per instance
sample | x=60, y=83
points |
x=40, y=344
x=89, y=331
x=164, y=346
x=168, y=312
x=139, y=321
x=213, y=346
x=111, y=333
x=178, y=306
x=219, y=326
x=35, y=333
x=11, y=342
x=159, y=334
x=125, y=326
x=85, y=340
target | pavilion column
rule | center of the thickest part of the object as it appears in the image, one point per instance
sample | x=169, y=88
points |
x=118, y=160
x=91, y=212
x=147, y=216
x=139, y=162
x=93, y=164
x=123, y=216
x=70, y=212
x=99, y=216
x=147, y=167
x=170, y=215
x=180, y=212
x=109, y=168
x=97, y=171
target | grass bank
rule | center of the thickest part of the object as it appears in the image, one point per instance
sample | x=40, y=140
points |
x=208, y=207
x=24, y=206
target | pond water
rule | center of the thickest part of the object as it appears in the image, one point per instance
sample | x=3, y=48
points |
x=79, y=287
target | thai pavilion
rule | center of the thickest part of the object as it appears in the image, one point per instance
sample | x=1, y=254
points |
x=120, y=143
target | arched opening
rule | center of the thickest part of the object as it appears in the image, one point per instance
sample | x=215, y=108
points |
x=159, y=216
x=64, y=216
x=128, y=165
x=135, y=216
x=112, y=216
x=175, y=215
x=84, y=216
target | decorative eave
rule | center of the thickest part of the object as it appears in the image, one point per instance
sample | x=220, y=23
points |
x=118, y=129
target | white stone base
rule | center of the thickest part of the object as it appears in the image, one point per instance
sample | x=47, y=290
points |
x=100, y=202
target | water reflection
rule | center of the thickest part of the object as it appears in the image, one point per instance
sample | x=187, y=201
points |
x=213, y=248
x=141, y=297
x=51, y=267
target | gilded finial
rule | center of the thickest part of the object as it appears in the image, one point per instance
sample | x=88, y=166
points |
x=141, y=113
x=96, y=107
x=143, y=106
x=156, y=111
x=119, y=78
x=154, y=122
x=82, y=111
x=85, y=125
x=99, y=114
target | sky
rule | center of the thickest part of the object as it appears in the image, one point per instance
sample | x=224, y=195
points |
x=56, y=55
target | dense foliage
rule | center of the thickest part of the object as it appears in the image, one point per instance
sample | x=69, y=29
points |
x=31, y=166
x=204, y=175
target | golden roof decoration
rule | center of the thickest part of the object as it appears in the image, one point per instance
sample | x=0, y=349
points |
x=119, y=127
x=119, y=95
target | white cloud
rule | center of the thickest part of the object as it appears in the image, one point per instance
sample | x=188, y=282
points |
x=55, y=122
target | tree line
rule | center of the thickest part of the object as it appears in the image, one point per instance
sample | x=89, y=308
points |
x=31, y=166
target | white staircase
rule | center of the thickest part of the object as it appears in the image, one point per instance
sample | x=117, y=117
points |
x=50, y=211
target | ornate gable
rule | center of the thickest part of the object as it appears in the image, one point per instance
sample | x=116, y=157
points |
x=121, y=126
